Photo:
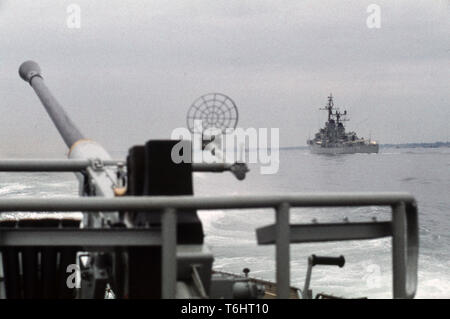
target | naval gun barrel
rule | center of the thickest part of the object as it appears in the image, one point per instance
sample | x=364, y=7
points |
x=102, y=179
x=80, y=147
x=30, y=72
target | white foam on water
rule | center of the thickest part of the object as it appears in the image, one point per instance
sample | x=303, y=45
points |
x=437, y=287
x=208, y=217
x=6, y=189
x=32, y=186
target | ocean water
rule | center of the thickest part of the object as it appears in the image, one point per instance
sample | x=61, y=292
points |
x=231, y=234
x=425, y=173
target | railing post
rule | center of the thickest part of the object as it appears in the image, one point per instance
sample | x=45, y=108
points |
x=399, y=250
x=169, y=253
x=305, y=292
x=282, y=251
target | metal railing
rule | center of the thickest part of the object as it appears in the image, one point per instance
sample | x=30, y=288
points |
x=403, y=227
x=76, y=165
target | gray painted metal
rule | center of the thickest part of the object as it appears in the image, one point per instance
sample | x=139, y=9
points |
x=144, y=203
x=398, y=249
x=345, y=149
x=404, y=225
x=100, y=180
x=30, y=72
x=198, y=256
x=45, y=165
x=76, y=165
x=282, y=251
x=405, y=247
x=306, y=292
x=405, y=242
x=169, y=253
x=327, y=232
x=88, y=238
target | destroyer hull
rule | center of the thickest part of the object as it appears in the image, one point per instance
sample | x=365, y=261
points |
x=371, y=148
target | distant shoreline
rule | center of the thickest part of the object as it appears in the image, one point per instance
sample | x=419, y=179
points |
x=403, y=145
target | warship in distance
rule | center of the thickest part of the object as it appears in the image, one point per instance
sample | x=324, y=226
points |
x=333, y=139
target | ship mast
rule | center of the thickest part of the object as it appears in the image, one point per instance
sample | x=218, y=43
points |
x=337, y=114
x=329, y=107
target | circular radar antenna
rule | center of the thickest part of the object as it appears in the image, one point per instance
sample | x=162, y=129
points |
x=212, y=113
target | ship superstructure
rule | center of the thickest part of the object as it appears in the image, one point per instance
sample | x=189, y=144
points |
x=333, y=139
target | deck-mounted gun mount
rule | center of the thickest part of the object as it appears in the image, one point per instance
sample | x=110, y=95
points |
x=141, y=237
x=97, y=180
x=132, y=271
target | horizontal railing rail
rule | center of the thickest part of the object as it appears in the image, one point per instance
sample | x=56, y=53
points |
x=403, y=225
x=137, y=203
x=76, y=165
x=52, y=165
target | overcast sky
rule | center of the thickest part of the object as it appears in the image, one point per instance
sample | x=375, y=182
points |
x=133, y=68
